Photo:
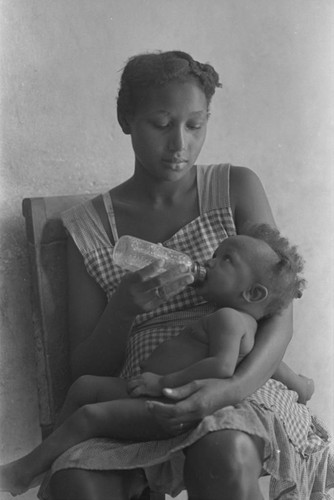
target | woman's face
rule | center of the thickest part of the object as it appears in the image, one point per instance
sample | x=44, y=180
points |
x=168, y=129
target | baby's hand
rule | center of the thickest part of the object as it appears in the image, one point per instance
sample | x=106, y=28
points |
x=146, y=384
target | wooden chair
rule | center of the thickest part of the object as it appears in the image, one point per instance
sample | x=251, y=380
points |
x=47, y=255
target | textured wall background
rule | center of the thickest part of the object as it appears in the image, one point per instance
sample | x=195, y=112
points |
x=60, y=70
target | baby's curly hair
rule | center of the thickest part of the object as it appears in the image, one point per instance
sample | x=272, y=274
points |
x=158, y=68
x=284, y=277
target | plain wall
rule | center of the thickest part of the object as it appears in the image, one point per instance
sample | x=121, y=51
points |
x=61, y=63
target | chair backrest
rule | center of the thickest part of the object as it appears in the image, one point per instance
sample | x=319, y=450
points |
x=47, y=254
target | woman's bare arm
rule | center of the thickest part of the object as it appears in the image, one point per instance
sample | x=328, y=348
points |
x=249, y=201
x=96, y=347
x=271, y=341
x=99, y=329
x=201, y=397
x=250, y=205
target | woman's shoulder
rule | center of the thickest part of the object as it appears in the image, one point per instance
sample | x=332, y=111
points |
x=223, y=184
x=237, y=176
x=248, y=198
x=240, y=175
x=242, y=180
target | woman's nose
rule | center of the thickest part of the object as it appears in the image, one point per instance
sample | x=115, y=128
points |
x=177, y=140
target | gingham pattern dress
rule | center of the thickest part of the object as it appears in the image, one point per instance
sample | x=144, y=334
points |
x=296, y=446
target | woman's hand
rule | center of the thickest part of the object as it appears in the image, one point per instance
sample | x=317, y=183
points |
x=192, y=402
x=144, y=290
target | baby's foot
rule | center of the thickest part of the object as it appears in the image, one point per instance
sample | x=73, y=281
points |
x=307, y=389
x=13, y=479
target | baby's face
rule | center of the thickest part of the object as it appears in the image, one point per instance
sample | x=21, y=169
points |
x=231, y=271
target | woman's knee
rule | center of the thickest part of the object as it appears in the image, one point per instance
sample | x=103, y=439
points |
x=221, y=460
x=225, y=450
x=72, y=484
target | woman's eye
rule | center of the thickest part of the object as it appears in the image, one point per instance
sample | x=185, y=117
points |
x=227, y=258
x=161, y=124
x=195, y=126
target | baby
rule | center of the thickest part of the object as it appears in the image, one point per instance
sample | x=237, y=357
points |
x=249, y=277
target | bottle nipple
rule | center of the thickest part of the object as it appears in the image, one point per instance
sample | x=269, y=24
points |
x=199, y=273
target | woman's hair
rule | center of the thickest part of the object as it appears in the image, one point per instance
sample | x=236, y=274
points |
x=157, y=69
x=283, y=276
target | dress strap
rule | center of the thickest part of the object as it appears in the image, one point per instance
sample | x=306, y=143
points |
x=213, y=183
x=84, y=225
x=108, y=205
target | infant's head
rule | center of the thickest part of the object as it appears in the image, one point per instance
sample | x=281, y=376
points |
x=258, y=272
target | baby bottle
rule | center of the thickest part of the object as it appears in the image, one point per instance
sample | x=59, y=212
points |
x=132, y=254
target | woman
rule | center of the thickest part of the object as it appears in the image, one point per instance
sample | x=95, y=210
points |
x=116, y=320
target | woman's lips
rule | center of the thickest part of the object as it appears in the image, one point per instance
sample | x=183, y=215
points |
x=175, y=164
x=172, y=160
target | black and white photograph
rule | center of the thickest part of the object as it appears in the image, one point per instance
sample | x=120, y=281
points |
x=166, y=249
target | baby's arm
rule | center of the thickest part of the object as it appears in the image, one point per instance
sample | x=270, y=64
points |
x=302, y=385
x=225, y=330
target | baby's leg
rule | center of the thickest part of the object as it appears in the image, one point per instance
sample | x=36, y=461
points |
x=299, y=383
x=90, y=389
x=125, y=419
x=20, y=475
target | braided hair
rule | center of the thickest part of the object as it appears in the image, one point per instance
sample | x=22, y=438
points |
x=157, y=69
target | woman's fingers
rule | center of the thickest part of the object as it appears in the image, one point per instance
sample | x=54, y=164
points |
x=192, y=402
x=186, y=411
x=155, y=277
x=150, y=271
x=169, y=419
x=182, y=392
x=159, y=287
x=146, y=289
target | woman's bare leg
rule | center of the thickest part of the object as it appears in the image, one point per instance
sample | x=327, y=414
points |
x=75, y=484
x=224, y=465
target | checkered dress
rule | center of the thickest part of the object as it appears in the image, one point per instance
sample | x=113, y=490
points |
x=296, y=446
